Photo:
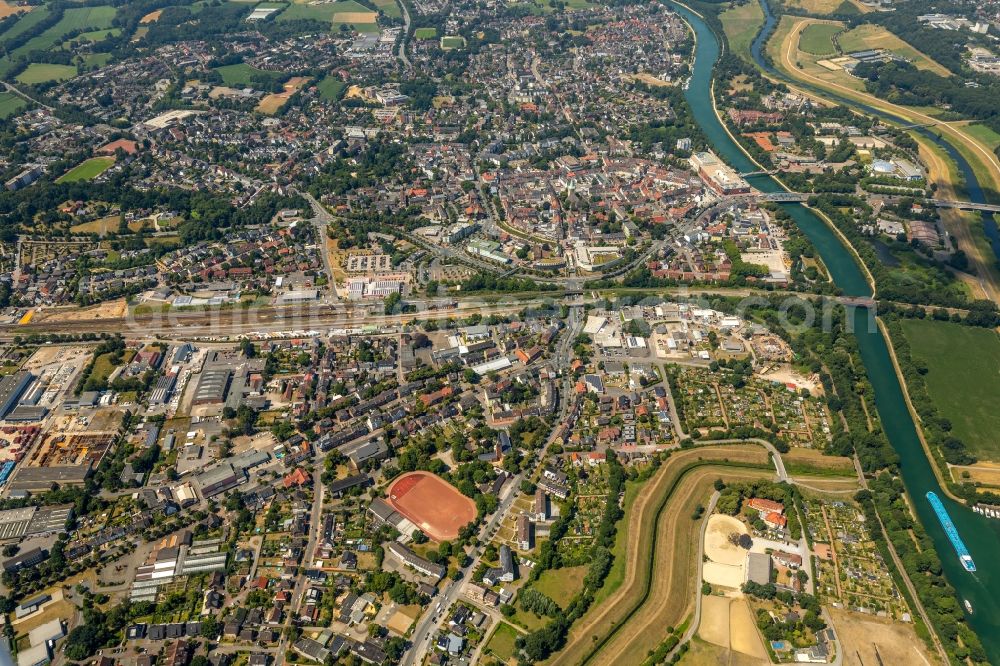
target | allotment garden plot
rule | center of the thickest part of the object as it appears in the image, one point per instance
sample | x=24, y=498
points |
x=724, y=400
x=591, y=500
x=850, y=570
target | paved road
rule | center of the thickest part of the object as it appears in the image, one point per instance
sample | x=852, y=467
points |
x=431, y=620
x=321, y=219
x=307, y=558
x=696, y=622
x=25, y=97
x=406, y=35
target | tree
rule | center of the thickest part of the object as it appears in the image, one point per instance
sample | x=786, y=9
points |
x=392, y=302
x=209, y=627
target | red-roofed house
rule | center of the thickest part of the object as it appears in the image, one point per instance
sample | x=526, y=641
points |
x=776, y=520
x=765, y=505
x=297, y=478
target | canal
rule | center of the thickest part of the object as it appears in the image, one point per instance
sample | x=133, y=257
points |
x=981, y=535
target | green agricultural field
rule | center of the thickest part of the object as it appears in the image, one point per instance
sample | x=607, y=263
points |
x=43, y=73
x=98, y=35
x=740, y=24
x=331, y=88
x=963, y=378
x=10, y=105
x=27, y=21
x=984, y=134
x=87, y=169
x=76, y=18
x=93, y=60
x=561, y=585
x=297, y=11
x=389, y=7
x=326, y=12
x=817, y=38
x=425, y=33
x=241, y=74
x=540, y=7
x=501, y=643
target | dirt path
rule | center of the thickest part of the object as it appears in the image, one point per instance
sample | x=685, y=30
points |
x=833, y=552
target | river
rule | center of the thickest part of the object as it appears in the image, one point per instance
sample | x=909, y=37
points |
x=981, y=535
x=972, y=186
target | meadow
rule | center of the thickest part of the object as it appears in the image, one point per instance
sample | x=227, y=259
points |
x=740, y=24
x=501, y=643
x=817, y=38
x=241, y=74
x=868, y=36
x=963, y=378
x=10, y=104
x=561, y=585
x=389, y=7
x=87, y=170
x=43, y=73
x=331, y=88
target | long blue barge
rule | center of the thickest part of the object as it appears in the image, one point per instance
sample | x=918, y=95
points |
x=952, y=532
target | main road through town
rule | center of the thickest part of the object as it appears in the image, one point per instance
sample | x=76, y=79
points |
x=436, y=613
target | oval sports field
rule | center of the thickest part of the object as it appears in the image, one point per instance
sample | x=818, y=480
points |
x=432, y=504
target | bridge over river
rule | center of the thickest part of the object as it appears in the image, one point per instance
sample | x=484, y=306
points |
x=802, y=197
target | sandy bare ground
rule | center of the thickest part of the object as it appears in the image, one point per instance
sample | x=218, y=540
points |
x=785, y=375
x=663, y=601
x=743, y=634
x=706, y=654
x=151, y=17
x=649, y=80
x=6, y=9
x=714, y=626
x=728, y=622
x=66, y=356
x=862, y=635
x=717, y=545
x=115, y=309
x=723, y=575
x=355, y=17
x=726, y=561
x=987, y=473
x=272, y=103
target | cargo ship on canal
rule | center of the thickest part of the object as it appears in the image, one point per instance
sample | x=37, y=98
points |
x=952, y=532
